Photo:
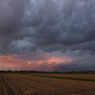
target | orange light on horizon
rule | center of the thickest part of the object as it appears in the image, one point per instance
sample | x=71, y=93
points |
x=14, y=62
x=58, y=60
x=50, y=60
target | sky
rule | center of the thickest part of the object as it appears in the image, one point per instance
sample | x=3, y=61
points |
x=47, y=35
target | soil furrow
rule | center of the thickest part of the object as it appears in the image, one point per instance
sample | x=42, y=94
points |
x=17, y=84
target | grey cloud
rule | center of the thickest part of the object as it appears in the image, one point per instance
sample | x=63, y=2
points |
x=10, y=14
x=50, y=22
x=49, y=25
x=21, y=47
x=73, y=22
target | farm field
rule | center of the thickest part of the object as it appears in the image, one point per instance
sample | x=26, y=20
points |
x=18, y=84
x=79, y=76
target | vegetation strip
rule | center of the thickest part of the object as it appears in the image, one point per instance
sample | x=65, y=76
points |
x=69, y=78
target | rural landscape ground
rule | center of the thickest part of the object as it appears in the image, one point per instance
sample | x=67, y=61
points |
x=37, y=84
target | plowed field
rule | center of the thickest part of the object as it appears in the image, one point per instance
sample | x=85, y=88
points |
x=17, y=84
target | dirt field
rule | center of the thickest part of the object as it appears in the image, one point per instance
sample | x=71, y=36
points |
x=82, y=76
x=16, y=84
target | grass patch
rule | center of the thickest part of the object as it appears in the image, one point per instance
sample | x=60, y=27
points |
x=69, y=78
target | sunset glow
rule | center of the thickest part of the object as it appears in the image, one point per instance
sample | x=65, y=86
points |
x=10, y=62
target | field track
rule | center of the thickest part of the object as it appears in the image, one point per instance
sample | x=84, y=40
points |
x=80, y=76
x=17, y=84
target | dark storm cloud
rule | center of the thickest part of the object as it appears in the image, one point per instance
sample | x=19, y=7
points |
x=62, y=22
x=48, y=22
x=28, y=26
x=10, y=13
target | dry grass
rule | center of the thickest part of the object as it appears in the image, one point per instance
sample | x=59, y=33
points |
x=82, y=76
x=16, y=84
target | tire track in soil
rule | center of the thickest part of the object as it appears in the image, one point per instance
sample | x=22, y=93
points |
x=28, y=85
x=3, y=87
x=8, y=87
x=23, y=85
x=17, y=83
x=35, y=87
x=18, y=88
x=13, y=87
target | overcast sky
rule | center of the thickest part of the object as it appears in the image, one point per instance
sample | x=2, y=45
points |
x=47, y=35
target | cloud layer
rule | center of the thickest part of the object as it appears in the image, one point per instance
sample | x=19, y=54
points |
x=64, y=28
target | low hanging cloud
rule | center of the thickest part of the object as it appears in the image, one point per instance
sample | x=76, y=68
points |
x=41, y=27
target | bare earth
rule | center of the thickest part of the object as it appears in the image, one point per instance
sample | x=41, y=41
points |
x=16, y=84
x=82, y=76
